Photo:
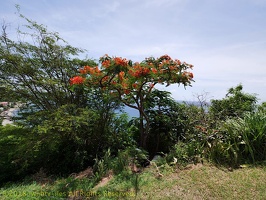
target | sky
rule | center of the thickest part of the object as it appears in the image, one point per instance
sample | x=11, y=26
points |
x=225, y=40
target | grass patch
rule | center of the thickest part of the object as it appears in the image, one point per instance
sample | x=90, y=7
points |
x=21, y=191
x=193, y=182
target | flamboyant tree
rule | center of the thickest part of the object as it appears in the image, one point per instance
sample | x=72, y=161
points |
x=132, y=82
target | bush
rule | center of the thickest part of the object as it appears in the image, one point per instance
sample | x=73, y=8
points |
x=236, y=141
x=61, y=142
x=182, y=154
x=251, y=134
x=235, y=104
x=70, y=138
x=230, y=132
x=15, y=159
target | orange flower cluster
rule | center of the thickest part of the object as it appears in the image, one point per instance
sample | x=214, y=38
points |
x=106, y=63
x=126, y=91
x=188, y=74
x=189, y=65
x=120, y=61
x=165, y=57
x=135, y=85
x=77, y=80
x=177, y=61
x=139, y=71
x=121, y=76
x=172, y=68
x=124, y=85
x=90, y=70
x=164, y=62
x=154, y=70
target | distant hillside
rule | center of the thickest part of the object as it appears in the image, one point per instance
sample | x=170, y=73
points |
x=134, y=113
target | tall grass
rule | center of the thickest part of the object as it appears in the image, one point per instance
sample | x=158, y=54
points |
x=254, y=135
x=242, y=140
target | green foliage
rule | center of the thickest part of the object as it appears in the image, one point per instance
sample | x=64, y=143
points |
x=66, y=138
x=221, y=134
x=122, y=161
x=122, y=167
x=68, y=126
x=119, y=165
x=38, y=72
x=64, y=141
x=251, y=134
x=167, y=121
x=235, y=104
x=235, y=141
x=182, y=154
x=71, y=137
x=120, y=133
x=14, y=144
x=262, y=107
x=102, y=166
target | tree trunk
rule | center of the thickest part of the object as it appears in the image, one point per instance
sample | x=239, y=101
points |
x=144, y=128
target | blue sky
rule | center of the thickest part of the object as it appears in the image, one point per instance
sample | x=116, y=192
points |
x=225, y=40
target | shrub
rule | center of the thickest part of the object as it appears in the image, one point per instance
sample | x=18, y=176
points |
x=237, y=141
x=70, y=138
x=14, y=145
x=235, y=104
x=61, y=142
x=182, y=154
x=251, y=134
